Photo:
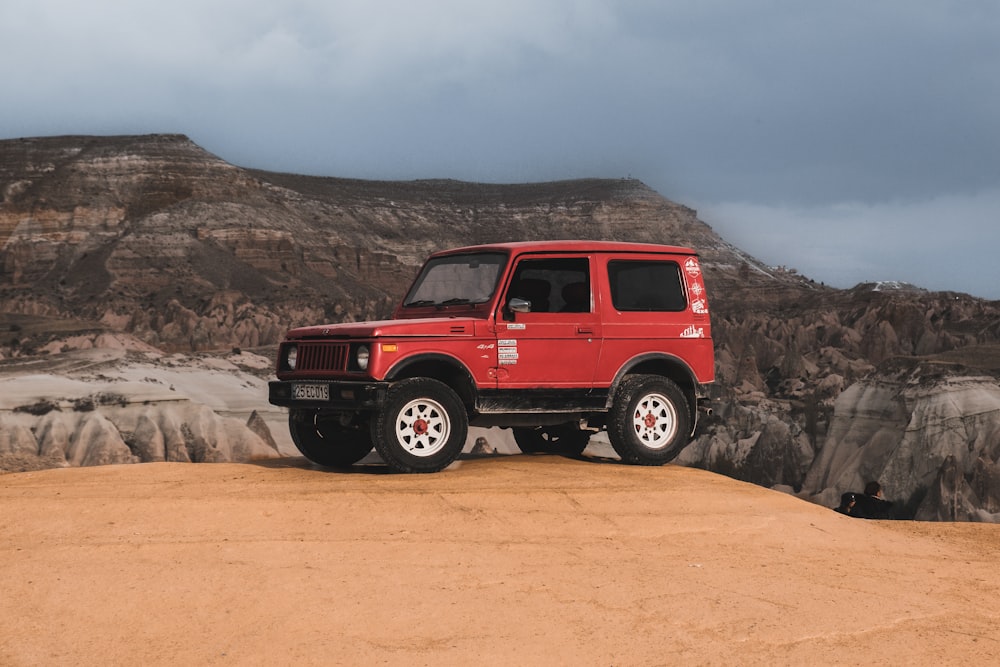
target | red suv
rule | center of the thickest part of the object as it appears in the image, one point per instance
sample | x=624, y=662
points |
x=554, y=339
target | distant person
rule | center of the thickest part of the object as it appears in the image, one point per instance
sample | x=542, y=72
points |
x=847, y=502
x=871, y=504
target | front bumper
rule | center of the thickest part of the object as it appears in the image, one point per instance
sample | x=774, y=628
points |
x=341, y=395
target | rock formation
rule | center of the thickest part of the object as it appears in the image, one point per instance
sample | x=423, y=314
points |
x=101, y=407
x=154, y=237
x=929, y=432
x=131, y=434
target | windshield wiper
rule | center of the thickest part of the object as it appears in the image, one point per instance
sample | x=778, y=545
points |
x=431, y=302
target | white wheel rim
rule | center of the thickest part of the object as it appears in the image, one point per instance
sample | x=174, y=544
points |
x=654, y=421
x=423, y=427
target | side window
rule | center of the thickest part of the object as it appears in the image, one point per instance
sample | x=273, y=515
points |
x=554, y=285
x=646, y=285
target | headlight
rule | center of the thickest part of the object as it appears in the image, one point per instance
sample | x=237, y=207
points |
x=290, y=356
x=362, y=357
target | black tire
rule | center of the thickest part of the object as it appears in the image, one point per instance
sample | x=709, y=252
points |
x=421, y=427
x=327, y=442
x=649, y=422
x=565, y=439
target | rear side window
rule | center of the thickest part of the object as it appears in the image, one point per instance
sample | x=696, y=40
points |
x=646, y=285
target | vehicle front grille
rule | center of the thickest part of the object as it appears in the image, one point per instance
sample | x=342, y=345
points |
x=322, y=357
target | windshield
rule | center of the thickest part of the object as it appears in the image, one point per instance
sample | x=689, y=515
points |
x=457, y=279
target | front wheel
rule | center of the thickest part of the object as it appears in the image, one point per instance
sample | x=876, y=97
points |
x=326, y=441
x=649, y=421
x=421, y=427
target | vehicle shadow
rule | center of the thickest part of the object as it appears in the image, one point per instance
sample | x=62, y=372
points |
x=370, y=465
x=373, y=464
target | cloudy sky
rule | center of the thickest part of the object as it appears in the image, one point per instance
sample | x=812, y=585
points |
x=850, y=139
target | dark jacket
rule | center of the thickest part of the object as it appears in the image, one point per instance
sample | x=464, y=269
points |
x=871, y=507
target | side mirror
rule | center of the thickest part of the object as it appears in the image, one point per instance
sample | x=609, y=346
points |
x=519, y=305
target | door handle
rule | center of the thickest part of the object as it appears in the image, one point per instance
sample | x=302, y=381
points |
x=584, y=330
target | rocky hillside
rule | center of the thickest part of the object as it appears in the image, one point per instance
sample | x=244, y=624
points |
x=156, y=240
x=930, y=430
x=155, y=237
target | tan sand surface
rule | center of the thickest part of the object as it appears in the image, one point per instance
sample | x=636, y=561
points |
x=509, y=560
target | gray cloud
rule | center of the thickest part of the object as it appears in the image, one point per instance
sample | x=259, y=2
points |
x=939, y=240
x=783, y=106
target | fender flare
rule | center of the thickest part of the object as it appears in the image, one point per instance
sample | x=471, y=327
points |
x=689, y=386
x=459, y=373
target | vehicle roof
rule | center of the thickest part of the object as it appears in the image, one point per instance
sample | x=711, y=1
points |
x=571, y=246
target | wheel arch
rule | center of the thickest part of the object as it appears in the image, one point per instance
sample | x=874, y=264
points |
x=441, y=367
x=666, y=365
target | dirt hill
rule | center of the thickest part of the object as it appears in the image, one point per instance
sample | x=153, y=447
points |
x=496, y=561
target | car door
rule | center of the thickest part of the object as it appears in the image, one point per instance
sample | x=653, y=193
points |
x=548, y=327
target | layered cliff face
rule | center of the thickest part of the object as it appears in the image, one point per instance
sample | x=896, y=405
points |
x=928, y=431
x=850, y=378
x=152, y=244
x=155, y=237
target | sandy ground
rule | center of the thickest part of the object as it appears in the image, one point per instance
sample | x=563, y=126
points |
x=508, y=560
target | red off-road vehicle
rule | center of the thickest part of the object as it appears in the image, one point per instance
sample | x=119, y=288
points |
x=554, y=339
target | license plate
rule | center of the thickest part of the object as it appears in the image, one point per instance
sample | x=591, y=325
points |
x=311, y=392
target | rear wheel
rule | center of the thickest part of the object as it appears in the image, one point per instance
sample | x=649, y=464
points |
x=558, y=439
x=327, y=442
x=421, y=427
x=649, y=421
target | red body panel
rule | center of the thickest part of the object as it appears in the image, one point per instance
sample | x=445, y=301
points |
x=501, y=349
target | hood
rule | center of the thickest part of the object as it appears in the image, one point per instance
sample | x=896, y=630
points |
x=428, y=326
